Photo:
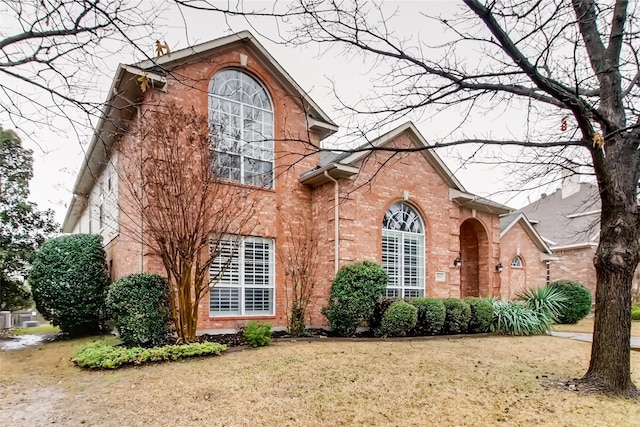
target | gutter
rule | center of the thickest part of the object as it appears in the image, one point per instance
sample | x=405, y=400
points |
x=336, y=223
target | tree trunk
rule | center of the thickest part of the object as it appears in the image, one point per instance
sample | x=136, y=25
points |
x=615, y=262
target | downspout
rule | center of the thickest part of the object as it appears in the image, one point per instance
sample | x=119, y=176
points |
x=336, y=222
x=141, y=255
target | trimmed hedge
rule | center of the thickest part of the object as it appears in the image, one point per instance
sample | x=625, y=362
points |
x=103, y=356
x=69, y=283
x=457, y=316
x=398, y=320
x=481, y=313
x=431, y=316
x=378, y=312
x=139, y=307
x=577, y=304
x=354, y=293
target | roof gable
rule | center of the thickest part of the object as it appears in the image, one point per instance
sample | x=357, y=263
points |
x=570, y=220
x=507, y=222
x=317, y=117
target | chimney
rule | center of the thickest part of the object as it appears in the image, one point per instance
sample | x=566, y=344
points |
x=570, y=183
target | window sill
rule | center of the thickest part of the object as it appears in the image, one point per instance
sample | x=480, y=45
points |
x=245, y=317
x=247, y=186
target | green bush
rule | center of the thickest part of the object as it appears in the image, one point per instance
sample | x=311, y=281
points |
x=139, y=306
x=69, y=283
x=257, y=334
x=515, y=318
x=481, y=314
x=378, y=312
x=577, y=304
x=354, y=293
x=400, y=318
x=635, y=312
x=103, y=356
x=456, y=320
x=548, y=299
x=431, y=315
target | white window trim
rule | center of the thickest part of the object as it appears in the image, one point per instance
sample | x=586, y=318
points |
x=241, y=154
x=241, y=277
x=521, y=263
x=402, y=287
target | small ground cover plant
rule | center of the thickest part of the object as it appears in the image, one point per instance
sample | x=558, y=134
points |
x=101, y=355
x=257, y=334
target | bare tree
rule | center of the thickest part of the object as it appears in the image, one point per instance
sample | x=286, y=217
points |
x=571, y=66
x=299, y=259
x=52, y=52
x=176, y=206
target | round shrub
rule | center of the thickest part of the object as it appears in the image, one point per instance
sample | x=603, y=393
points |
x=577, y=304
x=378, y=311
x=635, y=313
x=480, y=315
x=431, y=314
x=139, y=305
x=400, y=318
x=456, y=320
x=354, y=293
x=69, y=283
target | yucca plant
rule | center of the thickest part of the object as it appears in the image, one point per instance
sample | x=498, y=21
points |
x=547, y=300
x=515, y=318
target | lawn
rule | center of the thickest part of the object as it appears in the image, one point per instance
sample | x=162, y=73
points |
x=586, y=325
x=41, y=329
x=480, y=381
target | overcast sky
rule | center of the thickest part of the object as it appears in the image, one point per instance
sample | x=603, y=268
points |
x=58, y=157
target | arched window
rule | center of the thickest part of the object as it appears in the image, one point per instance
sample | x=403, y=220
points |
x=516, y=262
x=403, y=251
x=241, y=122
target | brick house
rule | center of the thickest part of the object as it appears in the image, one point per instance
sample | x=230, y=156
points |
x=525, y=256
x=413, y=216
x=568, y=221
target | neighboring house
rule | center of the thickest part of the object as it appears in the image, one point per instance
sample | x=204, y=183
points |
x=568, y=221
x=525, y=256
x=412, y=215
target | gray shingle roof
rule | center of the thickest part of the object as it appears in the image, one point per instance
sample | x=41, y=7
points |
x=572, y=220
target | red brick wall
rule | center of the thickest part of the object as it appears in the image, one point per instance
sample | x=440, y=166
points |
x=363, y=203
x=516, y=242
x=577, y=265
x=278, y=207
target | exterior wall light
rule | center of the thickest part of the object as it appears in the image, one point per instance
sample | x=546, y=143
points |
x=499, y=267
x=457, y=263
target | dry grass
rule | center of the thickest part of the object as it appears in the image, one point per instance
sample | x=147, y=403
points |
x=480, y=381
x=586, y=325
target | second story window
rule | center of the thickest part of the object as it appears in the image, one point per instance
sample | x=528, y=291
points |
x=241, y=120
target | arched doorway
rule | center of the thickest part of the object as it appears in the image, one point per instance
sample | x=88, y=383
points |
x=474, y=251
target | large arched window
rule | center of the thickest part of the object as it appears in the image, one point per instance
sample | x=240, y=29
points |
x=403, y=251
x=241, y=120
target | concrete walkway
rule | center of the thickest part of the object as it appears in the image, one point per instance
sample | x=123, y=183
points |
x=581, y=336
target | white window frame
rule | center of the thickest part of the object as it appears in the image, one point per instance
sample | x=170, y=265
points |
x=236, y=275
x=517, y=264
x=394, y=261
x=236, y=145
